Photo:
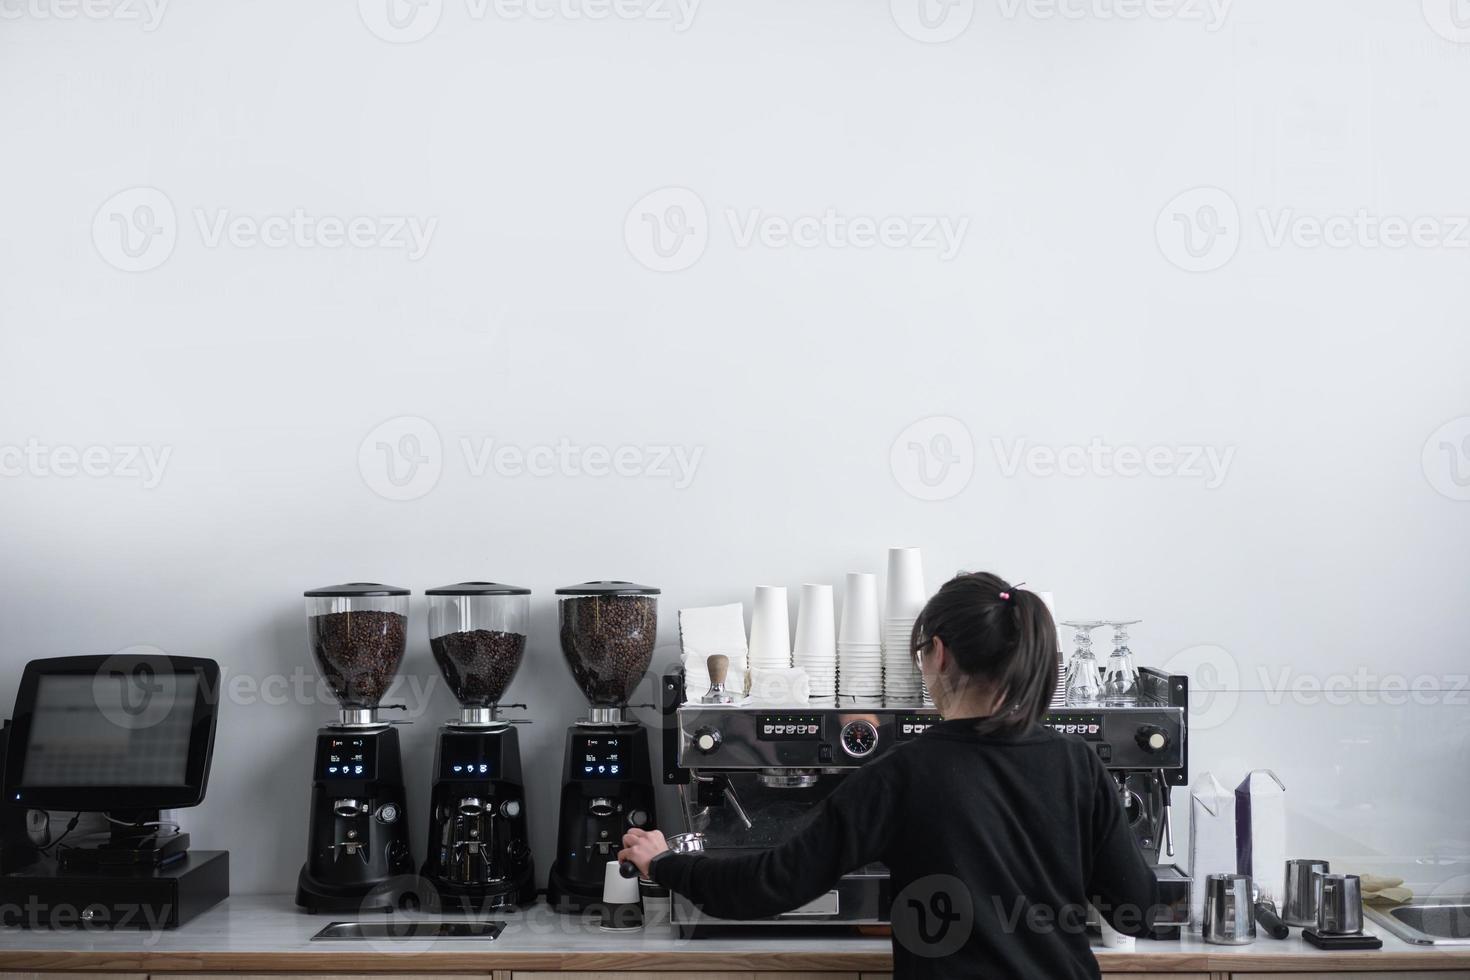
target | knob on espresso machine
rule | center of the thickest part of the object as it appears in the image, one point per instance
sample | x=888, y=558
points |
x=1151, y=738
x=707, y=740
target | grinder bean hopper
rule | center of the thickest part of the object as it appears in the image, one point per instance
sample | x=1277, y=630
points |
x=608, y=631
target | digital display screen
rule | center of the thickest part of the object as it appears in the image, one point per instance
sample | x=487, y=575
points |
x=1087, y=726
x=912, y=726
x=348, y=758
x=468, y=756
x=114, y=729
x=788, y=728
x=600, y=757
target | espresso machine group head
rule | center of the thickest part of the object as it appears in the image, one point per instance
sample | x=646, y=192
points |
x=608, y=631
x=358, y=834
x=479, y=853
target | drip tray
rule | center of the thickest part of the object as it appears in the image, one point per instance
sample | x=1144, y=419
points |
x=412, y=929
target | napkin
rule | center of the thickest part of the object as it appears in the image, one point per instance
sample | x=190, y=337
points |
x=780, y=686
x=706, y=631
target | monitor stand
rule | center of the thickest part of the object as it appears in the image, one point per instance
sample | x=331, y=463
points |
x=131, y=843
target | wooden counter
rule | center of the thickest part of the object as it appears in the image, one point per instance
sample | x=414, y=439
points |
x=267, y=934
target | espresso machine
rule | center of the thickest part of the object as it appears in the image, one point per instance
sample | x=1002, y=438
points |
x=358, y=837
x=608, y=630
x=748, y=775
x=479, y=853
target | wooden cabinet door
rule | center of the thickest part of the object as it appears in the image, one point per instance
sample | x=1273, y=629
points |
x=1375, y=975
x=686, y=975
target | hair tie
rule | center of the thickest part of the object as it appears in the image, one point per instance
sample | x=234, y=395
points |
x=1006, y=596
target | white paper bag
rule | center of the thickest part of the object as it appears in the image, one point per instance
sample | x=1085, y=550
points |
x=1260, y=832
x=1211, y=839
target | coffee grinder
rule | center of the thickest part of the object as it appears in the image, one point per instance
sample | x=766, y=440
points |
x=608, y=631
x=358, y=839
x=479, y=854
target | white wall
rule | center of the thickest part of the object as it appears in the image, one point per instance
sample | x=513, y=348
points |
x=1329, y=546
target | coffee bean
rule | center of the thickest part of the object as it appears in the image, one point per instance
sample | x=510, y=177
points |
x=478, y=664
x=608, y=642
x=358, y=653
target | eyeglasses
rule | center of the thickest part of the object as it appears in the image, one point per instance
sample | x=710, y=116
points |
x=923, y=644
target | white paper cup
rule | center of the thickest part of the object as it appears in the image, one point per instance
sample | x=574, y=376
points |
x=816, y=634
x=617, y=890
x=906, y=592
x=770, y=628
x=860, y=620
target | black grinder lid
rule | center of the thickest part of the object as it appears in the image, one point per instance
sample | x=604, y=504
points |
x=607, y=588
x=355, y=590
x=478, y=588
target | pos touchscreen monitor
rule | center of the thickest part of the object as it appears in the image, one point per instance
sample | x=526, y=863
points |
x=112, y=733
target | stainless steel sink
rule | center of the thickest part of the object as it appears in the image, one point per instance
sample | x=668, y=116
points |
x=1428, y=921
x=406, y=930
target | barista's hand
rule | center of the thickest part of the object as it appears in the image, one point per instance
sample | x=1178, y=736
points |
x=641, y=847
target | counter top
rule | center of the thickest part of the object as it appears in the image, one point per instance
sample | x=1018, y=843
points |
x=268, y=933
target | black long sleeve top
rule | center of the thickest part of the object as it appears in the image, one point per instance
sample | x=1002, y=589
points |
x=995, y=845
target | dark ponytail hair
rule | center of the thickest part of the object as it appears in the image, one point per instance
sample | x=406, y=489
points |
x=1000, y=635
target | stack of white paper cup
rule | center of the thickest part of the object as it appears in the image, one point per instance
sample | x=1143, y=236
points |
x=906, y=597
x=770, y=629
x=860, y=640
x=815, y=650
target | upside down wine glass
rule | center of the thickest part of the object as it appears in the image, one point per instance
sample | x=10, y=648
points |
x=1084, y=681
x=1120, y=677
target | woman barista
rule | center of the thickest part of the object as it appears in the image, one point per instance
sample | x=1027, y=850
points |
x=996, y=830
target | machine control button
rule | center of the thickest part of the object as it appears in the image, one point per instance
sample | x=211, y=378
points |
x=824, y=753
x=707, y=740
x=387, y=813
x=1105, y=751
x=638, y=818
x=859, y=738
x=510, y=809
x=1151, y=738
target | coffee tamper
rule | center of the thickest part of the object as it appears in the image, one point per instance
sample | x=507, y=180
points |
x=719, y=667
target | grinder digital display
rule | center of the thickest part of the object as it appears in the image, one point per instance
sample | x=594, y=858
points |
x=601, y=757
